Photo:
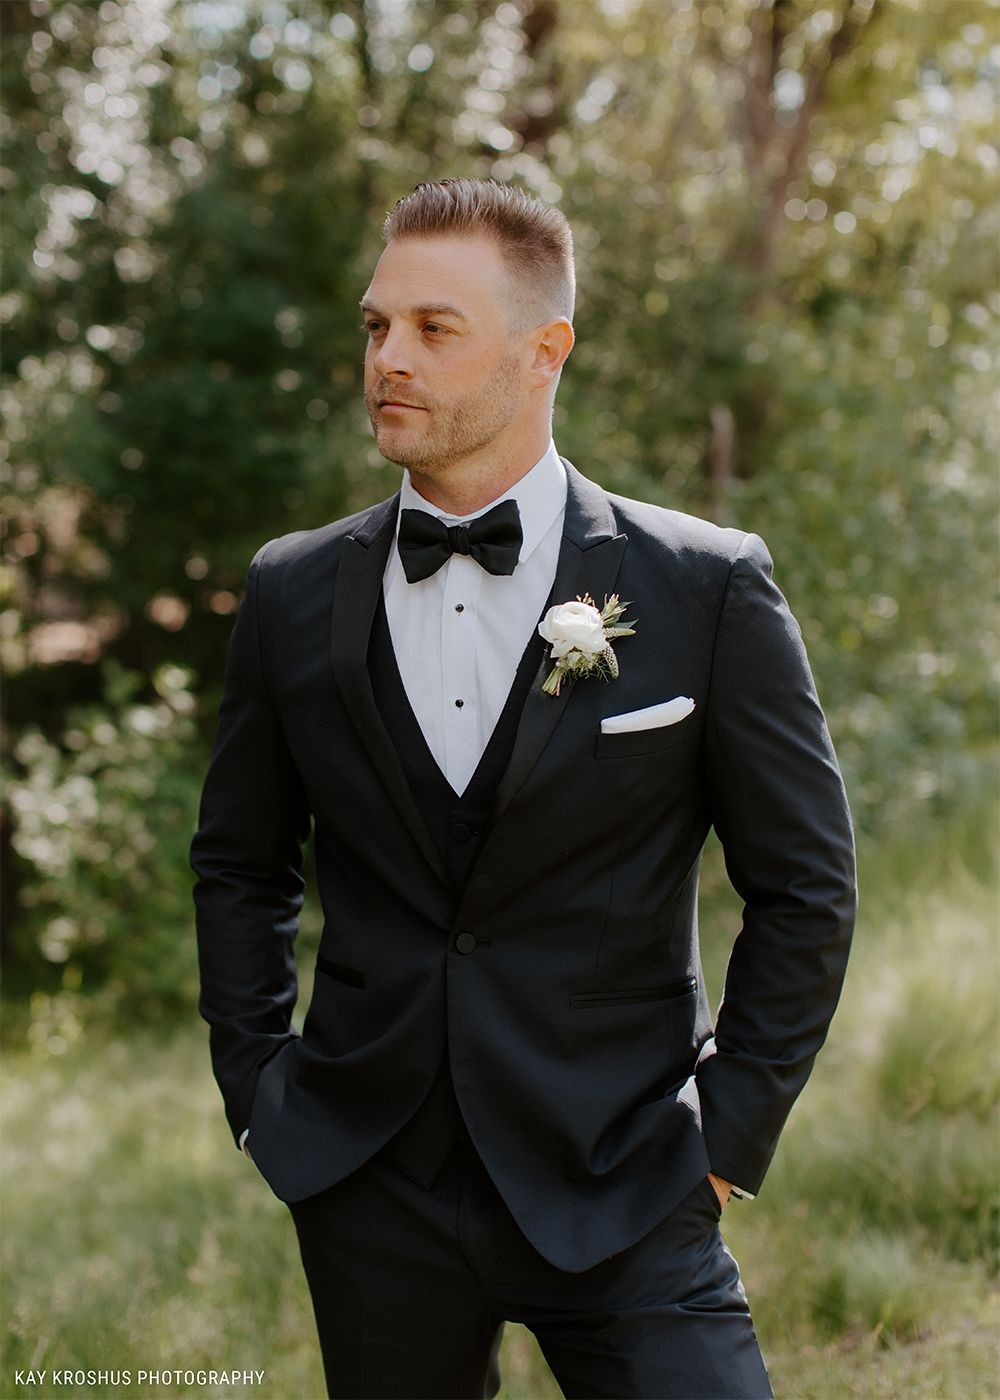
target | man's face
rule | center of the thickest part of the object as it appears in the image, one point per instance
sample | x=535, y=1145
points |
x=444, y=373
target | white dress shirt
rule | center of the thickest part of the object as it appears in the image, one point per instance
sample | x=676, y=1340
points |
x=458, y=636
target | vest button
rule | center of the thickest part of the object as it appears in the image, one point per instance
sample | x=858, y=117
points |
x=465, y=942
x=461, y=831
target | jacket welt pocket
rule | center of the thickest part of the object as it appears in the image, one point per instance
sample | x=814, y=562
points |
x=637, y=742
x=635, y=995
x=351, y=975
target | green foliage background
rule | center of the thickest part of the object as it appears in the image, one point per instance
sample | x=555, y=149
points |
x=786, y=232
x=786, y=226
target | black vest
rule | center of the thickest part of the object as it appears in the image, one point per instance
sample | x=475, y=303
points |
x=458, y=825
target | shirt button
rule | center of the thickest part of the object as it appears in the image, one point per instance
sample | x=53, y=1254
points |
x=461, y=831
x=460, y=607
x=465, y=942
x=459, y=704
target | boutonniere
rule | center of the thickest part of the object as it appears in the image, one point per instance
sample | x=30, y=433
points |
x=581, y=637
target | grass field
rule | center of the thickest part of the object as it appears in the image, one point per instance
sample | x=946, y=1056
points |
x=135, y=1238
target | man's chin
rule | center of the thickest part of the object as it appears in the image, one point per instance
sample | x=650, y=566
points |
x=401, y=453
x=396, y=454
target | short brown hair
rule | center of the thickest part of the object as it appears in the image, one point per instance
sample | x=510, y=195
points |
x=534, y=238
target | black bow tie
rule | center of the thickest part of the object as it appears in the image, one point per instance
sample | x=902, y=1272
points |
x=493, y=540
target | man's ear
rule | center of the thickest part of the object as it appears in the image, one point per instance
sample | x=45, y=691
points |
x=551, y=344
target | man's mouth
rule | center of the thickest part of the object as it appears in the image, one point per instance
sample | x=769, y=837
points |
x=401, y=403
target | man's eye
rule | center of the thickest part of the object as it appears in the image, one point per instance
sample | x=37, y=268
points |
x=372, y=327
x=434, y=329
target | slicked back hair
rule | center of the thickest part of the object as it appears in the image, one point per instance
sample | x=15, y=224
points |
x=533, y=238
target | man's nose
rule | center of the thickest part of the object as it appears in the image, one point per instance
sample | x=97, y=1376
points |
x=390, y=358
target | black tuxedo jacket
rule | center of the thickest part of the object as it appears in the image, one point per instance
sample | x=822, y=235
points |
x=564, y=977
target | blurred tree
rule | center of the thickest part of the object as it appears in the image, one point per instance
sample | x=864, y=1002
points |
x=786, y=231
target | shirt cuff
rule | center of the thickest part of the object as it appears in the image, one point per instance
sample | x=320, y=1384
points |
x=740, y=1194
x=243, y=1142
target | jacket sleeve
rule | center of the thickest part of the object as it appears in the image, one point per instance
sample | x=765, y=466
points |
x=247, y=854
x=778, y=805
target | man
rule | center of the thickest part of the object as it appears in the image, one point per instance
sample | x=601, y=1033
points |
x=508, y=1100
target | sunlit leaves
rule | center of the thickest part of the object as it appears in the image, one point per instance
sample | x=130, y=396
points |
x=786, y=314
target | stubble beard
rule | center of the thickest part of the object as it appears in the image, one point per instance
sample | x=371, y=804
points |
x=457, y=430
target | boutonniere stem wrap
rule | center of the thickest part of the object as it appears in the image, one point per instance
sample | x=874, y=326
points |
x=580, y=635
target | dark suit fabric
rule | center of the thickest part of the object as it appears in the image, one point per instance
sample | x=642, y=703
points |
x=562, y=973
x=458, y=825
x=411, y=1286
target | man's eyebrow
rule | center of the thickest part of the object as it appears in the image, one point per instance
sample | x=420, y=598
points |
x=440, y=308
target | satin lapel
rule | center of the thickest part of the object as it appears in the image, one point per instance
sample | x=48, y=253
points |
x=589, y=560
x=355, y=597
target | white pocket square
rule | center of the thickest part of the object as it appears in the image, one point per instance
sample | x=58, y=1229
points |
x=652, y=717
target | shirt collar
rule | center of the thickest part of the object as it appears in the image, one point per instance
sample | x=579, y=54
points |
x=540, y=495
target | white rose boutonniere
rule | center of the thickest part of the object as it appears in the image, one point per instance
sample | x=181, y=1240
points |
x=581, y=635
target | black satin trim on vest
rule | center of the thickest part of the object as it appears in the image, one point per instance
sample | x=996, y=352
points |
x=458, y=826
x=457, y=823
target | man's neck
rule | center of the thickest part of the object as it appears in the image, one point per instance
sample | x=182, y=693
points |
x=470, y=486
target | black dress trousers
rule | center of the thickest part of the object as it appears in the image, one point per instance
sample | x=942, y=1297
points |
x=411, y=1286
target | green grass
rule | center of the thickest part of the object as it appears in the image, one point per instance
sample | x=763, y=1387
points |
x=136, y=1237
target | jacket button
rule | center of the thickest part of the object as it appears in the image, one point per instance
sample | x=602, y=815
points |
x=465, y=942
x=461, y=831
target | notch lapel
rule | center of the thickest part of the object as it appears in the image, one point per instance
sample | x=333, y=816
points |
x=355, y=597
x=590, y=558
